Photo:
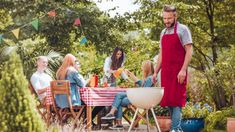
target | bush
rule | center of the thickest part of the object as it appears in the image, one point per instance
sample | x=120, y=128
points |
x=17, y=106
x=161, y=111
x=218, y=119
x=196, y=110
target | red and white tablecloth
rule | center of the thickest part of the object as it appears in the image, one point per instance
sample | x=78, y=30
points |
x=48, y=96
x=99, y=96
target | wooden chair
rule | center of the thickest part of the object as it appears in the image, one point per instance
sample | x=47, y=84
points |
x=63, y=87
x=42, y=108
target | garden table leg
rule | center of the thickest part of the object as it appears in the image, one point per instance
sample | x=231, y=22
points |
x=88, y=116
x=48, y=115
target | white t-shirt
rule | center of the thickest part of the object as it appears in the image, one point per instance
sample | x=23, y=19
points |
x=107, y=66
x=40, y=81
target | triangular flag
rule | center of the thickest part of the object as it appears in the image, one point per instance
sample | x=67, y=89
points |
x=77, y=22
x=1, y=37
x=83, y=41
x=52, y=13
x=16, y=32
x=35, y=24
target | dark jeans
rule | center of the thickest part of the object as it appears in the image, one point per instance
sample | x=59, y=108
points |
x=95, y=111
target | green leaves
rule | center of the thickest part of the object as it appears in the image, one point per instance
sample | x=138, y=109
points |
x=17, y=106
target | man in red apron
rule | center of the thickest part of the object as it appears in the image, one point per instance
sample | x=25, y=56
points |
x=173, y=60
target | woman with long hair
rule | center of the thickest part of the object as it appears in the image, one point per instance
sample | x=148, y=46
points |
x=68, y=71
x=112, y=64
x=121, y=99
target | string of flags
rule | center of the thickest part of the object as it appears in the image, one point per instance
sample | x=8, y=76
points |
x=35, y=25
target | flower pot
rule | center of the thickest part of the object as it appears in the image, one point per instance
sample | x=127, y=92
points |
x=164, y=123
x=230, y=124
x=192, y=124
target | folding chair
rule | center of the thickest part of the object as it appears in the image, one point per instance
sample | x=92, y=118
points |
x=63, y=87
x=41, y=107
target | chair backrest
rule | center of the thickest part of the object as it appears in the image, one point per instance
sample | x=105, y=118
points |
x=32, y=90
x=61, y=87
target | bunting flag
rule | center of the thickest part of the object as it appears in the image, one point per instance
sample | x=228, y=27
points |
x=16, y=32
x=1, y=38
x=52, y=13
x=77, y=22
x=35, y=24
x=83, y=41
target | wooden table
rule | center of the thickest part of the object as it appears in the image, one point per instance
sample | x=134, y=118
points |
x=98, y=97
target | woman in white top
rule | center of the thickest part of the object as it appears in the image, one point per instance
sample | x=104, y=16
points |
x=111, y=65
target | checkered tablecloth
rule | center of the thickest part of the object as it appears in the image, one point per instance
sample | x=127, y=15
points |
x=99, y=96
x=48, y=96
x=93, y=96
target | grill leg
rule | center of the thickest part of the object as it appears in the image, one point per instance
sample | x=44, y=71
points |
x=155, y=119
x=133, y=120
x=147, y=118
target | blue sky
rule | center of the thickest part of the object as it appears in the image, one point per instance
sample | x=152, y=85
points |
x=122, y=6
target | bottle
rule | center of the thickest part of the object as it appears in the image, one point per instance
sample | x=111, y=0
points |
x=96, y=80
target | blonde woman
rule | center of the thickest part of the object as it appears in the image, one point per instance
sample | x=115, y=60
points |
x=121, y=98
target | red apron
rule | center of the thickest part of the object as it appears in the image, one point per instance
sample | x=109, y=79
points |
x=173, y=55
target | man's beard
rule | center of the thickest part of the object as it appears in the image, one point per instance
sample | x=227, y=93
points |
x=172, y=25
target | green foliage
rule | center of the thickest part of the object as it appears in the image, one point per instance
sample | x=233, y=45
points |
x=221, y=79
x=161, y=111
x=196, y=110
x=215, y=85
x=95, y=25
x=6, y=20
x=91, y=62
x=17, y=106
x=29, y=50
x=218, y=119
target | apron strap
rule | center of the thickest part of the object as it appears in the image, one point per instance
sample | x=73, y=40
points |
x=175, y=28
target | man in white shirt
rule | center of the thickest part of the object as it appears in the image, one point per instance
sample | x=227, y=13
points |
x=41, y=80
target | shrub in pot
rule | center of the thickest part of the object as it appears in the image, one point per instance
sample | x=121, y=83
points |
x=193, y=116
x=163, y=118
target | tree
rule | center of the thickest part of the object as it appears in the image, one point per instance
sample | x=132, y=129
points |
x=17, y=106
x=95, y=25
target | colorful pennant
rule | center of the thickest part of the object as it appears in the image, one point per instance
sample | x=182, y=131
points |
x=1, y=38
x=35, y=24
x=16, y=32
x=83, y=41
x=52, y=13
x=77, y=22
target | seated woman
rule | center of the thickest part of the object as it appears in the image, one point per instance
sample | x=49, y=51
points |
x=121, y=99
x=68, y=71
